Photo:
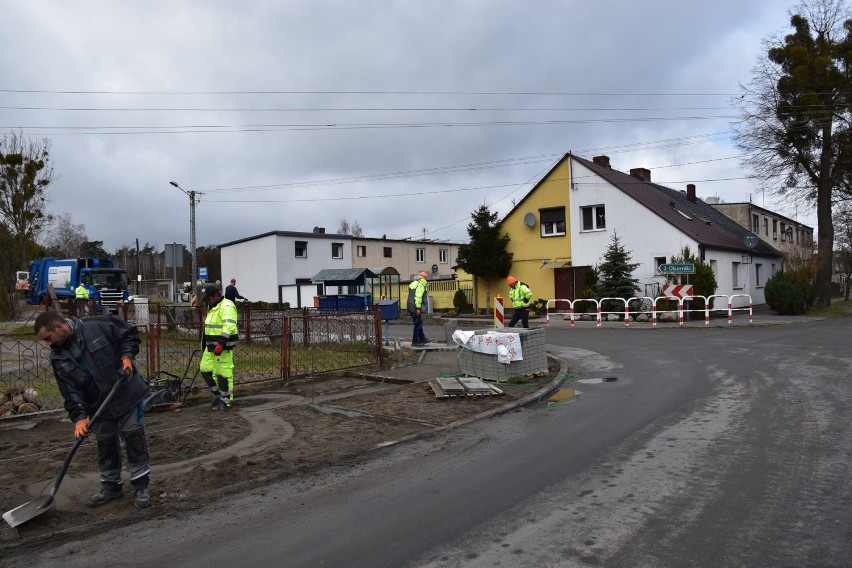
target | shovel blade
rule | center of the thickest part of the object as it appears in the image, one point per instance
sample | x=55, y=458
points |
x=23, y=513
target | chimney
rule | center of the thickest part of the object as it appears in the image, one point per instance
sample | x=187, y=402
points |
x=641, y=173
x=601, y=160
x=319, y=230
x=690, y=192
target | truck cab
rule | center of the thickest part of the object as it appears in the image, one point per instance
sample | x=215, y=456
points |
x=22, y=281
x=108, y=286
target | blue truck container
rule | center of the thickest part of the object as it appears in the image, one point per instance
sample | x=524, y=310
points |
x=108, y=286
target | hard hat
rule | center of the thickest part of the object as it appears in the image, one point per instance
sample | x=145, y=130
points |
x=424, y=275
x=511, y=281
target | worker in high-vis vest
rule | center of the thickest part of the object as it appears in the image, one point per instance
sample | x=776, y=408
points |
x=520, y=296
x=220, y=338
x=417, y=302
x=81, y=296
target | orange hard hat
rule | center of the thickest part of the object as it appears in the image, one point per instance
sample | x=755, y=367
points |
x=424, y=275
x=511, y=281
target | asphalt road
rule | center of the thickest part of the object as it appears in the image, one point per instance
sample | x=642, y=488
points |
x=714, y=447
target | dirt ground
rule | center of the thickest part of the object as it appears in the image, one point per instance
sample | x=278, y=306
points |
x=197, y=454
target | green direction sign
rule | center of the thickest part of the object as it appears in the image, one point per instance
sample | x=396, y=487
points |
x=685, y=268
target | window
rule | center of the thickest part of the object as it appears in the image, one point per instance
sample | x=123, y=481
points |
x=658, y=260
x=442, y=256
x=301, y=249
x=388, y=252
x=784, y=232
x=420, y=255
x=594, y=217
x=361, y=251
x=766, y=226
x=755, y=224
x=758, y=274
x=735, y=272
x=775, y=229
x=713, y=268
x=552, y=221
x=336, y=250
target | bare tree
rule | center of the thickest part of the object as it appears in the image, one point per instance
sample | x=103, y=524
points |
x=62, y=238
x=346, y=229
x=795, y=127
x=25, y=174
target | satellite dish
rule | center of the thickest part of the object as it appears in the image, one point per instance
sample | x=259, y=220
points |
x=529, y=220
x=751, y=240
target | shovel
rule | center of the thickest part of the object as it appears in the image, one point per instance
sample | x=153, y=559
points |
x=34, y=508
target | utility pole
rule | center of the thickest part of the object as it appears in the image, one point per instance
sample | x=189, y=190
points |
x=192, y=202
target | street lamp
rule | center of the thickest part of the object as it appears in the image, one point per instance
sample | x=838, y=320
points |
x=192, y=202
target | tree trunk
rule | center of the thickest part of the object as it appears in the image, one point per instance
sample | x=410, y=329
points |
x=825, y=230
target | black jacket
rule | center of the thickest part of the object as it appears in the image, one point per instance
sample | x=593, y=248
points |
x=89, y=363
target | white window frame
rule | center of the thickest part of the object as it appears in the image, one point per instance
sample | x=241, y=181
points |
x=337, y=250
x=361, y=250
x=735, y=274
x=420, y=255
x=442, y=256
x=596, y=217
x=658, y=260
x=555, y=228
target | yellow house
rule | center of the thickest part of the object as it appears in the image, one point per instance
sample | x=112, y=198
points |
x=540, y=233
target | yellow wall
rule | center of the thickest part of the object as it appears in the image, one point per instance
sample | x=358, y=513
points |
x=528, y=247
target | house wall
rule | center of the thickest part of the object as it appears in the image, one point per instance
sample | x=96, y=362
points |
x=797, y=246
x=534, y=255
x=291, y=268
x=404, y=256
x=268, y=263
x=641, y=231
x=250, y=263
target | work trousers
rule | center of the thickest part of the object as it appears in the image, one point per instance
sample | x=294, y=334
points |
x=218, y=372
x=522, y=314
x=109, y=432
x=417, y=335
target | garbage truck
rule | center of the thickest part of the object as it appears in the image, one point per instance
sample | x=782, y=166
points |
x=108, y=286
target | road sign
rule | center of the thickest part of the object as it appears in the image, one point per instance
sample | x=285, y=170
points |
x=677, y=291
x=684, y=268
x=202, y=272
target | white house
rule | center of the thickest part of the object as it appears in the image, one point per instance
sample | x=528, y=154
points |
x=654, y=223
x=278, y=266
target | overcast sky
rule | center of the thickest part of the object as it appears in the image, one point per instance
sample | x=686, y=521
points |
x=403, y=116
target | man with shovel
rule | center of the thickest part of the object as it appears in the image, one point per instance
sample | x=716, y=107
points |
x=87, y=357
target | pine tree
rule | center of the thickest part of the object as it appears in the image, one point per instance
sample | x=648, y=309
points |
x=485, y=256
x=615, y=274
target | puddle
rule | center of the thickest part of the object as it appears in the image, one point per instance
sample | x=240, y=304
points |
x=597, y=380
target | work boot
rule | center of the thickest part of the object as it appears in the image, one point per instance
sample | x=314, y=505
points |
x=142, y=498
x=108, y=492
x=216, y=402
x=223, y=405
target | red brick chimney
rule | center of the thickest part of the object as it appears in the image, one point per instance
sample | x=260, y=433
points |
x=690, y=192
x=601, y=160
x=642, y=173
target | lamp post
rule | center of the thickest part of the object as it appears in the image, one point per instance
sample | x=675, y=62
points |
x=192, y=202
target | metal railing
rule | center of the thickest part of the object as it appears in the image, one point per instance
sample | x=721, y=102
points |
x=275, y=345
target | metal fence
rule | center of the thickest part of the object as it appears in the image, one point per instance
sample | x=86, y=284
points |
x=275, y=345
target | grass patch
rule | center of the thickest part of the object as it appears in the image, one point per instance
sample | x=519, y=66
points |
x=838, y=308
